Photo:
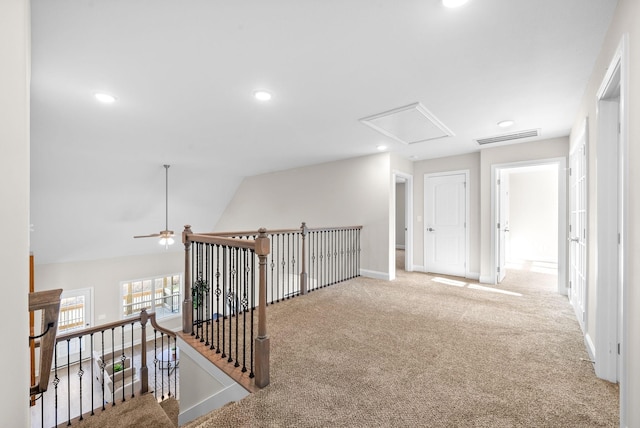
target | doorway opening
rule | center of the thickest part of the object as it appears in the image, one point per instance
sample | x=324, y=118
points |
x=529, y=214
x=401, y=254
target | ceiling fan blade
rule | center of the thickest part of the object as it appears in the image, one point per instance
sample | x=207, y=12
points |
x=148, y=236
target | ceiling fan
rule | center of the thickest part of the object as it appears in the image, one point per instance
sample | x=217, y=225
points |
x=166, y=235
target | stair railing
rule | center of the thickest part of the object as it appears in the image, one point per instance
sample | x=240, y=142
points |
x=97, y=368
x=222, y=282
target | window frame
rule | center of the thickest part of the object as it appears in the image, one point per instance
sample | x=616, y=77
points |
x=153, y=303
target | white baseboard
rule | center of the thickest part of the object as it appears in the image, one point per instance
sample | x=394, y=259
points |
x=591, y=349
x=470, y=275
x=375, y=275
x=487, y=279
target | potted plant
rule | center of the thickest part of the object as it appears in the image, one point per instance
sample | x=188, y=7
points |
x=200, y=287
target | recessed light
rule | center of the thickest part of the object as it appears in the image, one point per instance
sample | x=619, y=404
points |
x=104, y=98
x=381, y=147
x=505, y=123
x=262, y=95
x=453, y=3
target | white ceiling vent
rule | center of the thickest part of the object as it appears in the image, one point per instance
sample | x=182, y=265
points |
x=509, y=137
x=409, y=124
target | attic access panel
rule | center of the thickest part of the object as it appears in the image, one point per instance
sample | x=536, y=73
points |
x=409, y=124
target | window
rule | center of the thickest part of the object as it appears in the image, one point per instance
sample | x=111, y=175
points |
x=160, y=295
x=75, y=314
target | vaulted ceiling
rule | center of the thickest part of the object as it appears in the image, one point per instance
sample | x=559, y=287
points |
x=184, y=74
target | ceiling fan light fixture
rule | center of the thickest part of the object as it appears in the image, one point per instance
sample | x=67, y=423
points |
x=505, y=123
x=166, y=241
x=453, y=3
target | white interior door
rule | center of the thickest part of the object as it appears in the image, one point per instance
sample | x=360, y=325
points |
x=503, y=222
x=578, y=229
x=445, y=223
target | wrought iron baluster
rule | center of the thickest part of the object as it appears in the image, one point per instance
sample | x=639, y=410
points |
x=69, y=381
x=56, y=381
x=205, y=318
x=225, y=282
x=231, y=297
x=245, y=301
x=216, y=323
x=102, y=366
x=253, y=306
x=80, y=374
x=93, y=378
x=113, y=367
x=272, y=266
x=288, y=294
x=122, y=359
x=155, y=363
x=236, y=303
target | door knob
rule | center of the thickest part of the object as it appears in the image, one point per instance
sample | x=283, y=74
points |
x=573, y=239
x=431, y=229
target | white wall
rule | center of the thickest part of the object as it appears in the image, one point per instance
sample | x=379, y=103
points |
x=626, y=20
x=104, y=277
x=533, y=219
x=14, y=215
x=344, y=193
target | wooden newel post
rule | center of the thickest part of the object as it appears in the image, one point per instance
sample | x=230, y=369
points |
x=262, y=341
x=187, y=304
x=303, y=262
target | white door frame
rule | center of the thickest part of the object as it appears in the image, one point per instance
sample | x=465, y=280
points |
x=408, y=221
x=466, y=214
x=562, y=215
x=612, y=254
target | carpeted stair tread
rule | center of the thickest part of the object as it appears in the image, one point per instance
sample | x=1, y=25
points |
x=138, y=412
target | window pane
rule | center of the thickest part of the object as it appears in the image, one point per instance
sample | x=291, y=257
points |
x=160, y=295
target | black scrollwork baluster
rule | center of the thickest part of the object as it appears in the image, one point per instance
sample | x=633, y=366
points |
x=218, y=292
x=80, y=374
x=56, y=381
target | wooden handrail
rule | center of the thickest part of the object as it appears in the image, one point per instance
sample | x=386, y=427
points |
x=48, y=302
x=278, y=231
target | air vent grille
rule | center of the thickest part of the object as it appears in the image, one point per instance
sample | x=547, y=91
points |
x=509, y=137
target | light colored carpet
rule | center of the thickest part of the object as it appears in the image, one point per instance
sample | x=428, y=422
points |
x=426, y=351
x=142, y=411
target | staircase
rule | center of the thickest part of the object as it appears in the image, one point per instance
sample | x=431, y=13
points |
x=140, y=411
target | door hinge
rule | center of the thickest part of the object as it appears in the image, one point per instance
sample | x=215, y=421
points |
x=569, y=284
x=570, y=228
x=569, y=171
x=498, y=269
x=619, y=238
x=499, y=181
x=498, y=225
x=618, y=349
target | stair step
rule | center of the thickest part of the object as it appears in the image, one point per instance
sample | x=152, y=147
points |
x=142, y=410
